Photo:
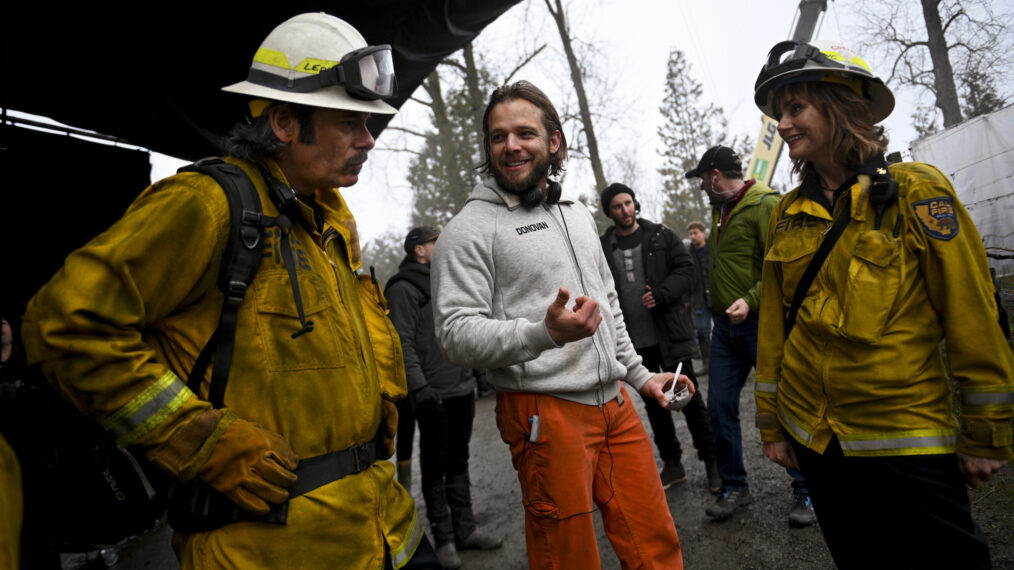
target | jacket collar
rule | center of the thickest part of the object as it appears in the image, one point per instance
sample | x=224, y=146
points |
x=335, y=212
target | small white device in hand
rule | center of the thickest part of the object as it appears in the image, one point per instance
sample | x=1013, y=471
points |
x=677, y=400
x=680, y=399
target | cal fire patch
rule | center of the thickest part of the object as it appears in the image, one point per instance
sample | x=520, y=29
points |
x=937, y=217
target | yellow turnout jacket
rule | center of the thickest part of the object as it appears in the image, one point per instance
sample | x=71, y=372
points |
x=864, y=361
x=121, y=324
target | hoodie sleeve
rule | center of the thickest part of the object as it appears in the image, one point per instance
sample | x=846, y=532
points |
x=463, y=277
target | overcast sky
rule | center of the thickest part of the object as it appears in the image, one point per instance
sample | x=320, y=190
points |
x=725, y=41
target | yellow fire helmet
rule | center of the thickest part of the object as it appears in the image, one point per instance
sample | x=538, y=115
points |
x=825, y=61
x=319, y=60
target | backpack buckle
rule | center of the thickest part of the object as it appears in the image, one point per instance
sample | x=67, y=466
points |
x=235, y=293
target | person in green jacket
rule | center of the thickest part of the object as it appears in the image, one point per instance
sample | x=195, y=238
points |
x=741, y=210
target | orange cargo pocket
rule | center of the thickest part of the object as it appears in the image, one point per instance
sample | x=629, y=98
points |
x=874, y=279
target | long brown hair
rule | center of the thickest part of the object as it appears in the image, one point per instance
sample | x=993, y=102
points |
x=854, y=138
x=550, y=120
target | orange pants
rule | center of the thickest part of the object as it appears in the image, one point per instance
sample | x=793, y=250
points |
x=587, y=456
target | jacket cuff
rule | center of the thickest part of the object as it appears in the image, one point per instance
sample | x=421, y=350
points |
x=770, y=429
x=638, y=377
x=982, y=438
x=536, y=337
x=189, y=447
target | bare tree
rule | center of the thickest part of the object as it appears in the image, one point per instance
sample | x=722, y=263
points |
x=946, y=50
x=577, y=75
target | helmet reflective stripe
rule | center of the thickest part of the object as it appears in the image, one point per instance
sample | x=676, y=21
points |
x=321, y=61
x=147, y=410
x=366, y=73
x=824, y=62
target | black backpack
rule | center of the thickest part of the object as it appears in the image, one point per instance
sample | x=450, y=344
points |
x=81, y=490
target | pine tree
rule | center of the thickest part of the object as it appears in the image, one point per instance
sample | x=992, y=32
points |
x=690, y=127
x=443, y=171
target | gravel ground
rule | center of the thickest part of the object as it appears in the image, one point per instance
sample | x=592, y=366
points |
x=756, y=537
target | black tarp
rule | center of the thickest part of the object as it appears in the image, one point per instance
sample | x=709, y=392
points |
x=150, y=75
x=59, y=192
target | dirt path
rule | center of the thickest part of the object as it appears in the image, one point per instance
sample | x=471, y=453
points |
x=757, y=537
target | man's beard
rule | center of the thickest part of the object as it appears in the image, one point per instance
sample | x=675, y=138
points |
x=619, y=222
x=540, y=171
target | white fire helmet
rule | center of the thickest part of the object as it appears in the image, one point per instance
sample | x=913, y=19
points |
x=321, y=61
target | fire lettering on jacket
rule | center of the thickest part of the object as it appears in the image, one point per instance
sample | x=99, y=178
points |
x=795, y=222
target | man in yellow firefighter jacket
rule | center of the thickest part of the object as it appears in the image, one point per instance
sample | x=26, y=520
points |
x=313, y=374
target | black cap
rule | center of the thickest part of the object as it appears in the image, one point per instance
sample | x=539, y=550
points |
x=721, y=157
x=418, y=236
x=611, y=191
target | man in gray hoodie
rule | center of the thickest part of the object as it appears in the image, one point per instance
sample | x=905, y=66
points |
x=503, y=272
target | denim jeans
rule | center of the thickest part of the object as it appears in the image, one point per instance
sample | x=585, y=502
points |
x=733, y=354
x=702, y=324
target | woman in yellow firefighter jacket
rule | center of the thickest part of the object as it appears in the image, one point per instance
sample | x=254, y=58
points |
x=852, y=387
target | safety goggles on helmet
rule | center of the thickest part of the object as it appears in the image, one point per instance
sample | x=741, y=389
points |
x=825, y=62
x=366, y=73
x=801, y=54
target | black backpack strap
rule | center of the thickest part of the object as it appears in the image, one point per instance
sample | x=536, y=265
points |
x=837, y=228
x=243, y=252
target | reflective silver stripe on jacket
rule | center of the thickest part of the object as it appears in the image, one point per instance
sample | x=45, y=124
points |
x=790, y=423
x=945, y=443
x=147, y=410
x=404, y=552
x=766, y=387
x=974, y=399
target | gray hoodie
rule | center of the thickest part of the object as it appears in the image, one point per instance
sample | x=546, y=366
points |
x=496, y=269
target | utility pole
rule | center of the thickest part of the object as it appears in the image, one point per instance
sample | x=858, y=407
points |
x=769, y=144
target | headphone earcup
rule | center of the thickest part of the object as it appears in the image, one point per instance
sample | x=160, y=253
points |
x=532, y=197
x=637, y=206
x=553, y=196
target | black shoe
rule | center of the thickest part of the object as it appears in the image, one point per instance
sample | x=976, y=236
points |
x=728, y=502
x=672, y=473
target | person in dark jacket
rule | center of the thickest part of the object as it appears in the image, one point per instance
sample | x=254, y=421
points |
x=700, y=301
x=653, y=274
x=442, y=400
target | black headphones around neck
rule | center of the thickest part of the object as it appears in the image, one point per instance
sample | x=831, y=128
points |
x=533, y=196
